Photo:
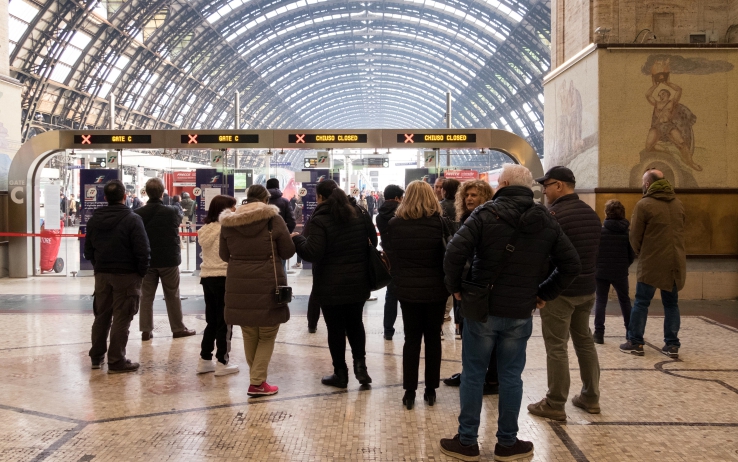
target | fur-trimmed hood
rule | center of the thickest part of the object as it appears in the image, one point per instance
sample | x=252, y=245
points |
x=248, y=214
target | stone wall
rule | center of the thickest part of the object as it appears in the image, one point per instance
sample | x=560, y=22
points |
x=733, y=14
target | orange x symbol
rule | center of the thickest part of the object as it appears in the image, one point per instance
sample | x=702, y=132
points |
x=86, y=139
x=193, y=139
x=409, y=138
x=300, y=139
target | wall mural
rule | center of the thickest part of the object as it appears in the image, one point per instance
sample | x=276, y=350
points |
x=672, y=141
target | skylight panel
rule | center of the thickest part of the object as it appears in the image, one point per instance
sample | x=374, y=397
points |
x=60, y=72
x=22, y=10
x=16, y=29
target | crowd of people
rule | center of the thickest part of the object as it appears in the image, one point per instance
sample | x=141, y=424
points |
x=491, y=256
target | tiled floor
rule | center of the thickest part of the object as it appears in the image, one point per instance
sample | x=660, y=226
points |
x=53, y=407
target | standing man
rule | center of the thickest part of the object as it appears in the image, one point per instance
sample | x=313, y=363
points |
x=393, y=196
x=282, y=204
x=512, y=240
x=568, y=314
x=371, y=203
x=162, y=227
x=657, y=236
x=72, y=210
x=118, y=248
x=438, y=188
x=136, y=202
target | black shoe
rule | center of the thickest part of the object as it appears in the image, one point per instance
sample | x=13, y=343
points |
x=387, y=337
x=312, y=330
x=146, y=336
x=453, y=447
x=409, y=399
x=599, y=338
x=453, y=381
x=126, y=366
x=98, y=363
x=671, y=351
x=338, y=379
x=184, y=333
x=430, y=396
x=517, y=451
x=360, y=371
x=628, y=347
x=491, y=389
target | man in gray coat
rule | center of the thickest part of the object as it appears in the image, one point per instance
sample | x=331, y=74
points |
x=657, y=236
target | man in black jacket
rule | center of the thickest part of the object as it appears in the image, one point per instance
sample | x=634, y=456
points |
x=393, y=196
x=568, y=314
x=117, y=245
x=162, y=227
x=282, y=204
x=511, y=240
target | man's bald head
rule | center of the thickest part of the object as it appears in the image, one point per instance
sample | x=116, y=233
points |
x=650, y=177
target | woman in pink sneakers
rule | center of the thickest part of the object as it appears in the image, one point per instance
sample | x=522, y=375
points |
x=254, y=240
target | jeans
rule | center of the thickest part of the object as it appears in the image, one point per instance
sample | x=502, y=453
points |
x=170, y=285
x=313, y=314
x=561, y=318
x=422, y=323
x=345, y=321
x=390, y=311
x=115, y=304
x=217, y=333
x=603, y=288
x=509, y=337
x=639, y=315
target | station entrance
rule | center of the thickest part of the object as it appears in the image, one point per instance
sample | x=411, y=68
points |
x=52, y=167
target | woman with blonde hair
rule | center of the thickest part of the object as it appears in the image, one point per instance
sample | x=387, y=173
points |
x=253, y=241
x=416, y=236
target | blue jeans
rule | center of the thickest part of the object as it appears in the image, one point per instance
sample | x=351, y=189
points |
x=390, y=311
x=509, y=337
x=639, y=315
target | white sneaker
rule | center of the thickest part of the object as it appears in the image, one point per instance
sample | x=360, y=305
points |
x=204, y=366
x=224, y=369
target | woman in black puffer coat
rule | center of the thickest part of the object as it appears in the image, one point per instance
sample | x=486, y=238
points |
x=416, y=235
x=613, y=260
x=338, y=234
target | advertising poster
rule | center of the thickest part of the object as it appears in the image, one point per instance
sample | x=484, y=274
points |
x=310, y=200
x=92, y=197
x=242, y=179
x=423, y=174
x=209, y=183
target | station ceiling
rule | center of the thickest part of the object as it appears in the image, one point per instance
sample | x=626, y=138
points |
x=296, y=63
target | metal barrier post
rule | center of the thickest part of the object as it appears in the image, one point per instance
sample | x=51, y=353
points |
x=187, y=242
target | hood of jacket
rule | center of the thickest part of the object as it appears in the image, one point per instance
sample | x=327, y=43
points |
x=661, y=190
x=109, y=217
x=616, y=226
x=387, y=210
x=249, y=219
x=275, y=193
x=208, y=234
x=515, y=205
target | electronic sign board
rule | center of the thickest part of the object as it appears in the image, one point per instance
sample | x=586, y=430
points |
x=112, y=139
x=411, y=138
x=206, y=138
x=298, y=138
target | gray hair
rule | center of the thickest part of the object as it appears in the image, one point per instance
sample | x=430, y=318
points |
x=516, y=175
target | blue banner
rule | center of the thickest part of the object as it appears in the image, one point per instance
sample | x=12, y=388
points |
x=310, y=200
x=92, y=197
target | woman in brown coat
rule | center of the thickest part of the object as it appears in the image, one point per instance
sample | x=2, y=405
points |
x=249, y=239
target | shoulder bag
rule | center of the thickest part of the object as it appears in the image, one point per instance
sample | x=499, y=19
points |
x=282, y=294
x=379, y=263
x=475, y=295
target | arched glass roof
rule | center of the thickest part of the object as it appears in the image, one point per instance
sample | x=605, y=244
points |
x=298, y=64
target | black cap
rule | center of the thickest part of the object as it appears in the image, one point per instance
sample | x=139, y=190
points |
x=558, y=173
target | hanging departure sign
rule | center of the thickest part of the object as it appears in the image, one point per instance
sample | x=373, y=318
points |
x=326, y=138
x=410, y=138
x=112, y=139
x=210, y=138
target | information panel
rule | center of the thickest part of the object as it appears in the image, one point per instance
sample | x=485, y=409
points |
x=409, y=138
x=327, y=138
x=197, y=138
x=112, y=139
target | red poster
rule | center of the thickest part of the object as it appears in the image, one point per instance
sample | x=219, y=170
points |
x=461, y=175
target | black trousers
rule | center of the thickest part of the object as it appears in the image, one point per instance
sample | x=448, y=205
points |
x=603, y=288
x=345, y=321
x=313, y=312
x=422, y=322
x=217, y=333
x=115, y=303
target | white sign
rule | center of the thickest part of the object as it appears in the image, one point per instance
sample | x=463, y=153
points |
x=216, y=159
x=355, y=192
x=112, y=159
x=303, y=192
x=52, y=207
x=430, y=158
x=17, y=194
x=210, y=193
x=197, y=192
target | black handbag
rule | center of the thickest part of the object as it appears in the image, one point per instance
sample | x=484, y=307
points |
x=282, y=294
x=379, y=263
x=475, y=295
